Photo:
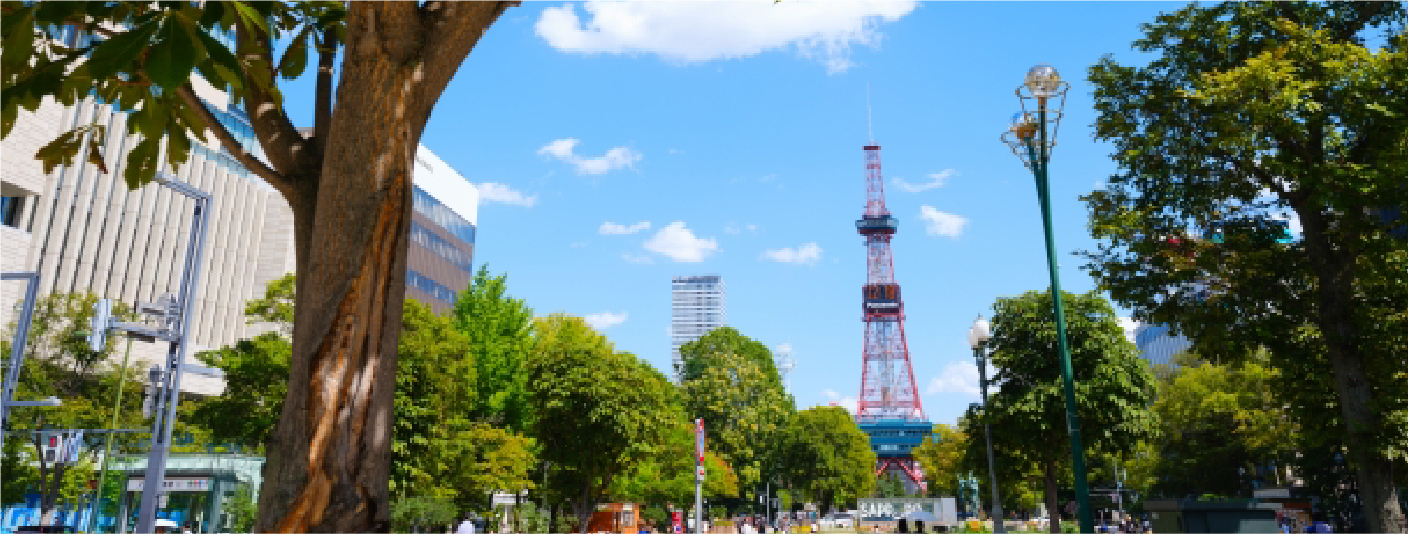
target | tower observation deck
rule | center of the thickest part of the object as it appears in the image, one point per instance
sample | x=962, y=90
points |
x=889, y=409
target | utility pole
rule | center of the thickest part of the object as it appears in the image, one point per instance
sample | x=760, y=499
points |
x=698, y=476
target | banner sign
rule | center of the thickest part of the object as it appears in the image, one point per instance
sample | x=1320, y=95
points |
x=699, y=439
x=678, y=521
x=881, y=298
x=173, y=484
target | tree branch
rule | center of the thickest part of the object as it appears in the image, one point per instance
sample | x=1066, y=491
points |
x=286, y=149
x=451, y=30
x=227, y=139
x=322, y=96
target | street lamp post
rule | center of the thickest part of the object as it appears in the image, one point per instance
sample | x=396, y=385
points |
x=978, y=336
x=1030, y=141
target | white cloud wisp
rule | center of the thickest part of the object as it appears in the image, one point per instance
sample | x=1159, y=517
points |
x=689, y=32
x=611, y=228
x=936, y=180
x=565, y=150
x=941, y=223
x=604, y=320
x=679, y=243
x=502, y=193
x=808, y=254
x=849, y=403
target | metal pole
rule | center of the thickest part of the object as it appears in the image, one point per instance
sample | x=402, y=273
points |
x=997, y=525
x=107, y=449
x=162, y=424
x=12, y=375
x=1039, y=165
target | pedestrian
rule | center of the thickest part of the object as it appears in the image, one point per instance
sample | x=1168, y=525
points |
x=186, y=528
x=466, y=526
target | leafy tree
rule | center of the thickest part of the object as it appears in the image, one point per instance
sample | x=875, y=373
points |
x=695, y=356
x=59, y=363
x=1251, y=111
x=941, y=455
x=667, y=475
x=826, y=457
x=276, y=306
x=499, y=334
x=242, y=509
x=348, y=183
x=1113, y=387
x=890, y=486
x=1216, y=419
x=410, y=514
x=742, y=401
x=597, y=410
x=255, y=388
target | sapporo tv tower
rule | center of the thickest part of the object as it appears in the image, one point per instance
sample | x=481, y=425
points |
x=888, y=409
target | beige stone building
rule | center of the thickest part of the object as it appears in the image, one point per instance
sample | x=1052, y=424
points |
x=83, y=230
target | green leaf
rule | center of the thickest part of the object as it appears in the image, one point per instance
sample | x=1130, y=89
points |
x=142, y=162
x=295, y=57
x=120, y=52
x=95, y=145
x=249, y=16
x=172, y=59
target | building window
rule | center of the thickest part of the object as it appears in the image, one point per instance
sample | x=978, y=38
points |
x=10, y=209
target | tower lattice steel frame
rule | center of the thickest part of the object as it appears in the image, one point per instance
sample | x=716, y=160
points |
x=889, y=408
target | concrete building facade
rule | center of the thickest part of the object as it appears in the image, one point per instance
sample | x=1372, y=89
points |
x=698, y=304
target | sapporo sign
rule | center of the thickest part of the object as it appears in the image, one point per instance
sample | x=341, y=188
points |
x=894, y=508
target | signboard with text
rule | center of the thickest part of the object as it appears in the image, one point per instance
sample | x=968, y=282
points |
x=881, y=298
x=173, y=484
x=890, y=509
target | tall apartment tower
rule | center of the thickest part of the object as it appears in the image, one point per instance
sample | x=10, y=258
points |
x=697, y=305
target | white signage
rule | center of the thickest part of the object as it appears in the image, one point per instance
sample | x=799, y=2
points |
x=506, y=498
x=173, y=484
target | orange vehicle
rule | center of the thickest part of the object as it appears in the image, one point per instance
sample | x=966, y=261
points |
x=617, y=517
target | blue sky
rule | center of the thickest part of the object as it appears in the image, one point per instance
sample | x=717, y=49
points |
x=724, y=138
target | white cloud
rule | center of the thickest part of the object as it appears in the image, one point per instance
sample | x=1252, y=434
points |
x=605, y=320
x=610, y=228
x=732, y=229
x=564, y=150
x=960, y=377
x=1129, y=324
x=641, y=260
x=807, y=254
x=678, y=243
x=849, y=403
x=699, y=31
x=785, y=348
x=941, y=223
x=676, y=151
x=579, y=244
x=936, y=180
x=752, y=228
x=494, y=192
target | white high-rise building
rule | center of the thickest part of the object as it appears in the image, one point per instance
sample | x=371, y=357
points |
x=697, y=305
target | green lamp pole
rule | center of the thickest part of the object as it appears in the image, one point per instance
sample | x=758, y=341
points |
x=1029, y=140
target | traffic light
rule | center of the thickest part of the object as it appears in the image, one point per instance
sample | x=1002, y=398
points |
x=98, y=327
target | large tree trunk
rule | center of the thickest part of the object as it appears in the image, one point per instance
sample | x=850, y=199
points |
x=1334, y=270
x=1053, y=510
x=329, y=460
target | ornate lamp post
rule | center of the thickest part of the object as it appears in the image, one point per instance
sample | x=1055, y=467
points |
x=1030, y=140
x=978, y=336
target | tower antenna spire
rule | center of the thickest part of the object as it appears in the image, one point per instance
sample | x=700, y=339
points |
x=869, y=130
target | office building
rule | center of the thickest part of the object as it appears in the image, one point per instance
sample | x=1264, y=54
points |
x=1157, y=345
x=697, y=305
x=439, y=258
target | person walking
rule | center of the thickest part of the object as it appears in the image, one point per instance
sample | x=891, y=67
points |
x=466, y=526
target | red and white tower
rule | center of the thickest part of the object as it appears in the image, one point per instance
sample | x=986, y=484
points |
x=889, y=408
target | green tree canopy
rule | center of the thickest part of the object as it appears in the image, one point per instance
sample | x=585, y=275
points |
x=744, y=408
x=827, y=458
x=941, y=455
x=1113, y=386
x=1249, y=112
x=596, y=410
x=498, y=332
x=1216, y=419
x=698, y=355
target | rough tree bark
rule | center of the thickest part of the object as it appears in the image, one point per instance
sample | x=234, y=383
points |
x=1334, y=270
x=1053, y=507
x=349, y=188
